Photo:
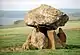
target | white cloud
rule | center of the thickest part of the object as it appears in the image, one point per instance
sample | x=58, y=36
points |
x=29, y=4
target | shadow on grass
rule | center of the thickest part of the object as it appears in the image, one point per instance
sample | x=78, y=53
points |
x=72, y=47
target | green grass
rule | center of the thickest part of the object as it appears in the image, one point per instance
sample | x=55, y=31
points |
x=14, y=37
x=45, y=52
x=72, y=23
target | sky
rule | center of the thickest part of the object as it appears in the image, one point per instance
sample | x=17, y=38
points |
x=30, y=4
x=25, y=5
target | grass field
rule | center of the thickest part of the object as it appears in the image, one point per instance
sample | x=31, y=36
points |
x=15, y=37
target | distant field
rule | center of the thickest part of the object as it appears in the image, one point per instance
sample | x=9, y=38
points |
x=69, y=24
x=15, y=37
x=72, y=25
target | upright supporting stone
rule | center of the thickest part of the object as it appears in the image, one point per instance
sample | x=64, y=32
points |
x=51, y=36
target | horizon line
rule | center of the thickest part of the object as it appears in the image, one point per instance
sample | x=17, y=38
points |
x=30, y=9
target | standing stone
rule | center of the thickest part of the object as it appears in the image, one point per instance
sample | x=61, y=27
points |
x=45, y=19
x=36, y=40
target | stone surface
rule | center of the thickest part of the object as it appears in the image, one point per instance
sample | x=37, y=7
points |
x=41, y=40
x=51, y=36
x=36, y=40
x=46, y=16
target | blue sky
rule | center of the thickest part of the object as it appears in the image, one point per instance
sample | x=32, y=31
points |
x=30, y=4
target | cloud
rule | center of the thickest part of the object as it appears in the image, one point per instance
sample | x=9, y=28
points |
x=29, y=4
